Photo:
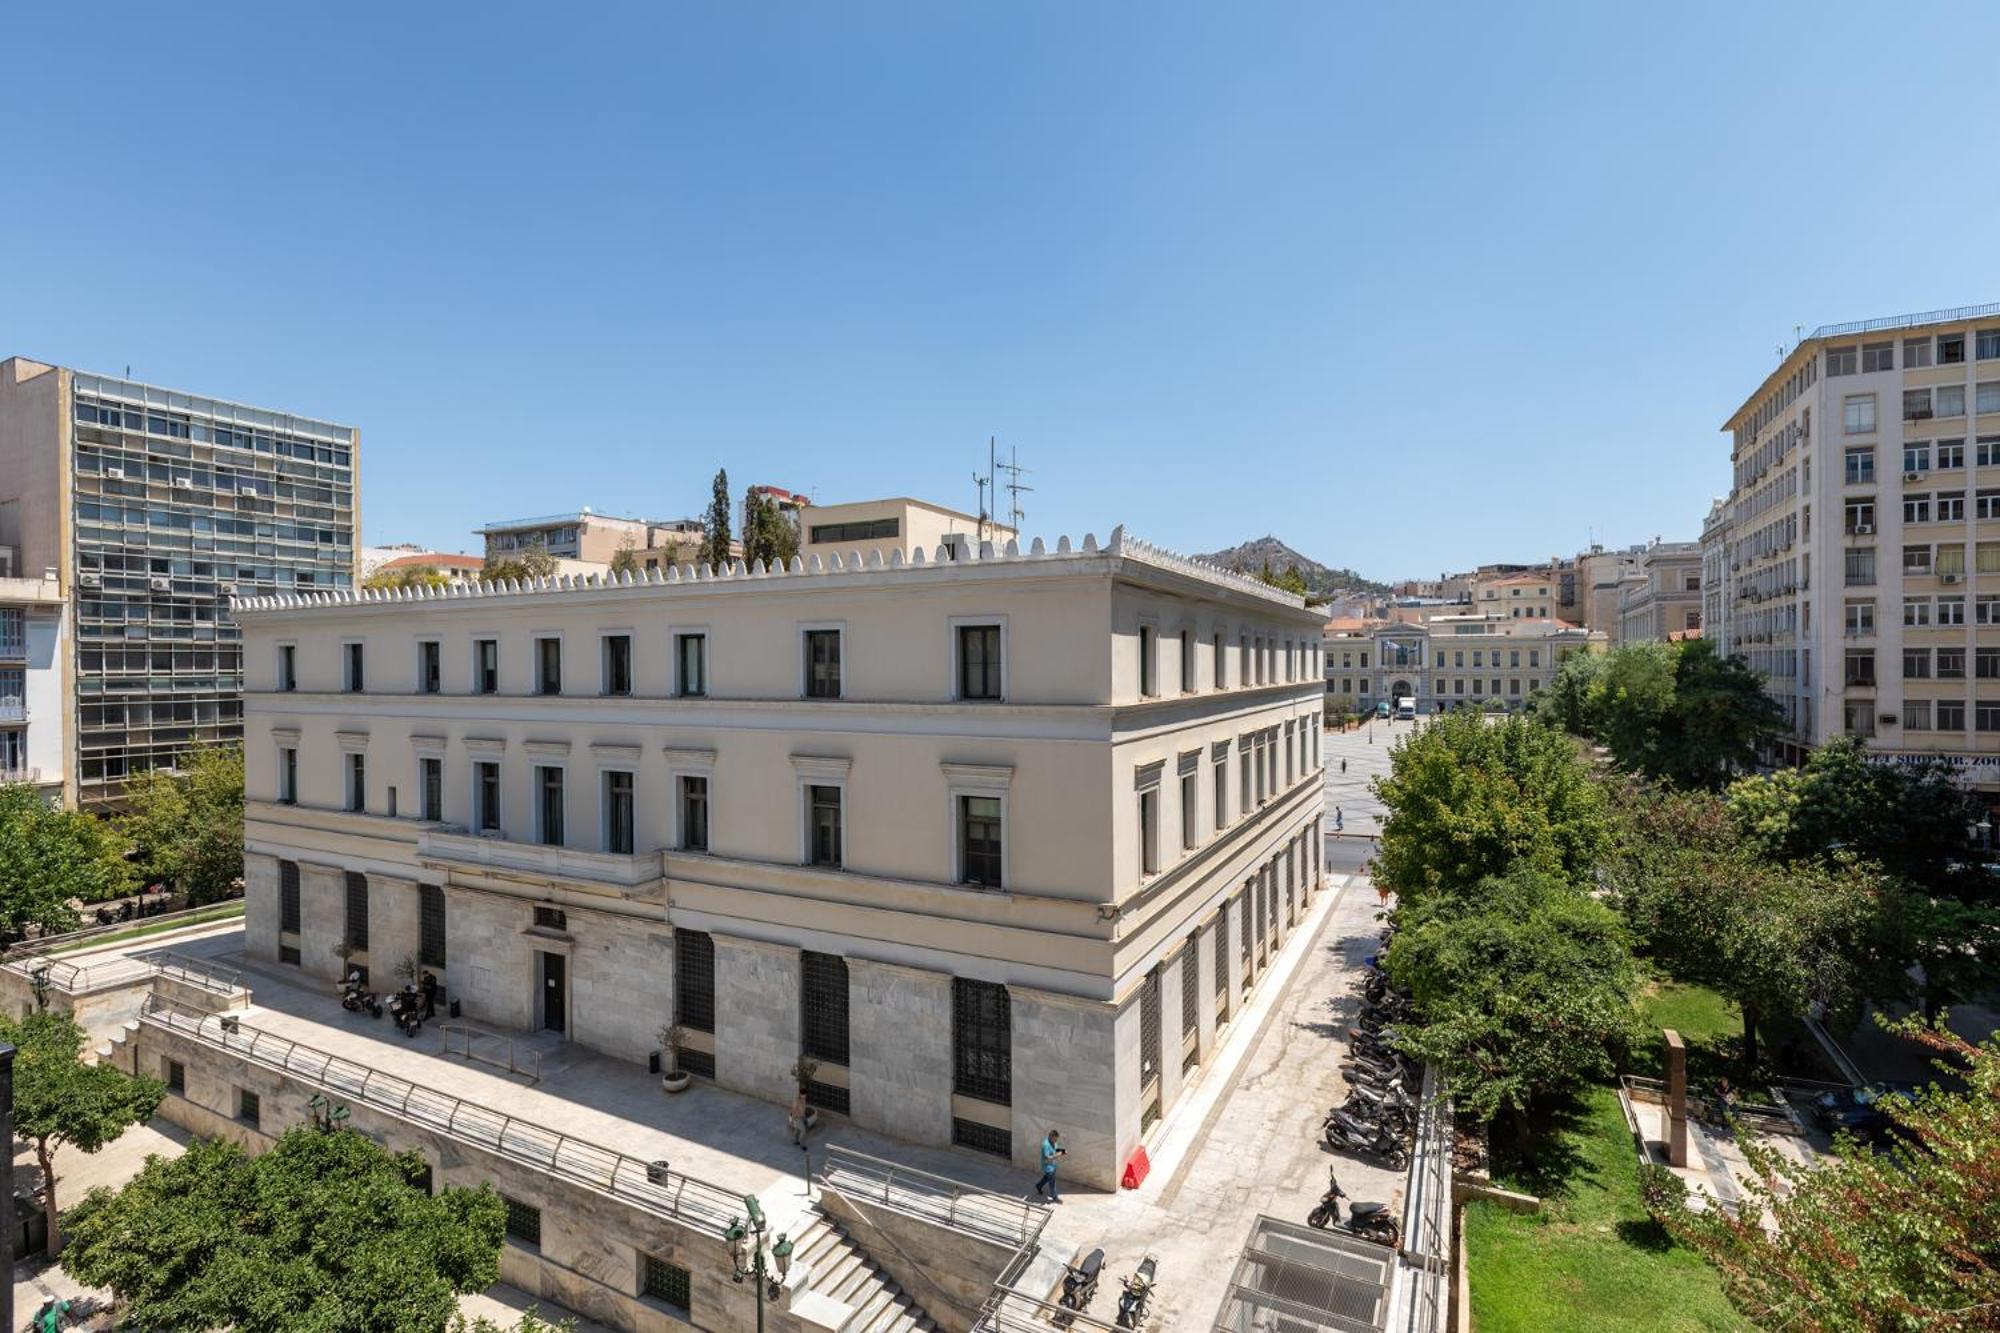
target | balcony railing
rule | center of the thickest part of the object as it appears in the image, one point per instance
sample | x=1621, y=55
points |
x=13, y=708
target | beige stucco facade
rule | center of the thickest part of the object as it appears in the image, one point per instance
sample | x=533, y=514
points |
x=1454, y=659
x=1139, y=748
x=895, y=524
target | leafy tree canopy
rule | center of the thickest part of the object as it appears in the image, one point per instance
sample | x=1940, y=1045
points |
x=1468, y=798
x=59, y=1100
x=321, y=1233
x=1871, y=1242
x=1524, y=989
x=407, y=576
x=1676, y=712
x=49, y=855
x=769, y=535
x=625, y=560
x=1291, y=580
x=530, y=562
x=716, y=535
x=187, y=823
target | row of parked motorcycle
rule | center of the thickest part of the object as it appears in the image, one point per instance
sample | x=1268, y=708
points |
x=408, y=1007
x=1379, y=1117
x=1079, y=1287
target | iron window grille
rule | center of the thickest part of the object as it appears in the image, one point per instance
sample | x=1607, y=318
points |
x=982, y=1138
x=979, y=662
x=1222, y=955
x=357, y=910
x=288, y=896
x=289, y=953
x=694, y=814
x=430, y=925
x=822, y=663
x=664, y=1282
x=551, y=918
x=1149, y=1050
x=827, y=1097
x=524, y=1221
x=979, y=840
x=982, y=1041
x=176, y=1076
x=694, y=981
x=249, y=1108
x=1190, y=988
x=823, y=1006
x=618, y=813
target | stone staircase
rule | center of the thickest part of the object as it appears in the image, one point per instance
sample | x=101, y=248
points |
x=839, y=1270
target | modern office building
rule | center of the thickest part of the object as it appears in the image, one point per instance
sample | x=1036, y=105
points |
x=896, y=524
x=587, y=541
x=1659, y=597
x=1864, y=560
x=995, y=840
x=154, y=507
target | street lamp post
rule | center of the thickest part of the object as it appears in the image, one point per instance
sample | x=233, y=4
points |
x=746, y=1255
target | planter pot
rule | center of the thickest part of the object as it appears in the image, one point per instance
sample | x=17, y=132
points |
x=676, y=1081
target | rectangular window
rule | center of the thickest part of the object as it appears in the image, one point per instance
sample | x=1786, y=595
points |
x=430, y=925
x=1951, y=400
x=863, y=530
x=1986, y=609
x=1916, y=664
x=1986, y=397
x=524, y=1222
x=1221, y=766
x=823, y=826
x=1861, y=617
x=1860, y=666
x=1951, y=508
x=691, y=662
x=176, y=1077
x=1986, y=504
x=664, y=1282
x=549, y=805
x=1858, y=719
x=694, y=814
x=1878, y=356
x=1858, y=413
x=1987, y=342
x=486, y=666
x=1149, y=831
x=979, y=840
x=1916, y=353
x=288, y=667
x=288, y=897
x=822, y=664
x=823, y=1006
x=1860, y=562
x=288, y=776
x=1916, y=715
x=548, y=666
x=1916, y=509
x=1986, y=716
x=1950, y=455
x=355, y=678
x=979, y=661
x=618, y=813
x=1917, y=405
x=1986, y=663
x=1149, y=681
x=1916, y=560
x=1951, y=664
x=617, y=664
x=1860, y=466
x=1860, y=516
x=1217, y=661
x=1951, y=349
x=982, y=1041
x=1949, y=715
x=694, y=981
x=486, y=789
x=1917, y=457
x=357, y=783
x=430, y=678
x=431, y=775
x=249, y=1108
x=1840, y=361
x=356, y=933
x=1986, y=452
x=1191, y=802
x=551, y=918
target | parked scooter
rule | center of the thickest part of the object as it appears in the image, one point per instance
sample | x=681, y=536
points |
x=1350, y=1133
x=406, y=1008
x=355, y=997
x=1138, y=1292
x=1079, y=1286
x=1371, y=1221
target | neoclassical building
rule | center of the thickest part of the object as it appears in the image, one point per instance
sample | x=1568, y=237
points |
x=998, y=842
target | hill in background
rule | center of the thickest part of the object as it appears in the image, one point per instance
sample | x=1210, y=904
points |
x=1324, y=582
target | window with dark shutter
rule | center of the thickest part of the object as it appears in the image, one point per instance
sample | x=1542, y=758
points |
x=288, y=896
x=982, y=1041
x=430, y=925
x=357, y=910
x=694, y=980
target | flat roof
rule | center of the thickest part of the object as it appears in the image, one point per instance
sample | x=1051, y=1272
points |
x=820, y=512
x=1886, y=324
x=577, y=516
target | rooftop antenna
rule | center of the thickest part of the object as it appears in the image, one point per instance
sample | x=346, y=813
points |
x=1012, y=467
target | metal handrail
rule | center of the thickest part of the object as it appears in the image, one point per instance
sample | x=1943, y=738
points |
x=682, y=1198
x=1905, y=321
x=72, y=978
x=1427, y=1246
x=193, y=971
x=46, y=944
x=469, y=1030
x=939, y=1198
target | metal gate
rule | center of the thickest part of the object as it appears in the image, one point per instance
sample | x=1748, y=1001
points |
x=1149, y=1050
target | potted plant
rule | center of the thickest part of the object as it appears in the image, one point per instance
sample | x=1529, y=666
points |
x=672, y=1077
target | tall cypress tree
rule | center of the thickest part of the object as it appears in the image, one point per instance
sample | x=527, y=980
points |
x=715, y=542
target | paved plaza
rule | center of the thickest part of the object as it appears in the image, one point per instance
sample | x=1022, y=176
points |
x=1365, y=753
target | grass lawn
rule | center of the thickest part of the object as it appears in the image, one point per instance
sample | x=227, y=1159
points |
x=219, y=912
x=1591, y=1260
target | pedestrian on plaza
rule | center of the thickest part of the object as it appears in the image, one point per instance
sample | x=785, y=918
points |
x=802, y=1118
x=1052, y=1151
x=1343, y=765
x=1381, y=893
x=1339, y=819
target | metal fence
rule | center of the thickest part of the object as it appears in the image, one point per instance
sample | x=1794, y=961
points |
x=938, y=1199
x=198, y=972
x=1425, y=1276
x=123, y=970
x=1296, y=1279
x=651, y=1186
x=1906, y=321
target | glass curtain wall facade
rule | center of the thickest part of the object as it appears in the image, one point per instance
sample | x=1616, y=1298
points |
x=181, y=502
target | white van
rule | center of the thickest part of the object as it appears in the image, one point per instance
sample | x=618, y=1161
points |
x=1406, y=709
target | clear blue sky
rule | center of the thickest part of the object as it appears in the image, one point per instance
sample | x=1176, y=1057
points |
x=1411, y=286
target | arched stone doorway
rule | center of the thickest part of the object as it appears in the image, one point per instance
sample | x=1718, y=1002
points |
x=1401, y=690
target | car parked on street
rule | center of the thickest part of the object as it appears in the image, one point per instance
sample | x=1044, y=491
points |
x=1860, y=1110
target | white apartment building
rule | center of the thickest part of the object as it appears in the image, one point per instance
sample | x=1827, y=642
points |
x=1716, y=529
x=1881, y=618
x=1000, y=839
x=34, y=649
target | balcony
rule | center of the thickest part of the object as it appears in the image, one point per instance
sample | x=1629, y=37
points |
x=452, y=847
x=13, y=708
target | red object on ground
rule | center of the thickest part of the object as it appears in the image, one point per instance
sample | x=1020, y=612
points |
x=1136, y=1167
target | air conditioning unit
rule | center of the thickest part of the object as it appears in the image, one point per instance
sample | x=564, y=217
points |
x=159, y=584
x=1863, y=529
x=90, y=579
x=1913, y=476
x=247, y=490
x=115, y=473
x=183, y=483
x=1947, y=578
x=225, y=589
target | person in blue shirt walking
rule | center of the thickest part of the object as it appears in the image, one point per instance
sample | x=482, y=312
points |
x=1052, y=1150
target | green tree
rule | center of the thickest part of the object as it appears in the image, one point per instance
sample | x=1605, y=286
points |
x=323, y=1231
x=1680, y=713
x=529, y=1322
x=1523, y=990
x=625, y=560
x=61, y=1101
x=186, y=824
x=1468, y=798
x=1291, y=580
x=1872, y=1242
x=49, y=855
x=1774, y=937
x=530, y=562
x=768, y=535
x=407, y=576
x=1569, y=700
x=715, y=529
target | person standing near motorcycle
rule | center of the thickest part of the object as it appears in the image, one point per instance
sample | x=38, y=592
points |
x=1052, y=1152
x=429, y=987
